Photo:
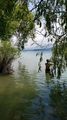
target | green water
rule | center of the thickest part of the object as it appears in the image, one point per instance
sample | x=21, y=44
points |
x=31, y=95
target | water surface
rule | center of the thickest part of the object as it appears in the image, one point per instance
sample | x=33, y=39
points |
x=31, y=95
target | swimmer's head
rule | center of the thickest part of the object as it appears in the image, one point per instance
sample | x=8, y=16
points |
x=48, y=60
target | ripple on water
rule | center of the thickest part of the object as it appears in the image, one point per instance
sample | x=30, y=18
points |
x=25, y=95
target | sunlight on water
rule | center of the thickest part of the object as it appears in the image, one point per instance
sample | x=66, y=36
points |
x=30, y=95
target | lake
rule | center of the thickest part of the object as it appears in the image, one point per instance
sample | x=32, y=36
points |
x=31, y=95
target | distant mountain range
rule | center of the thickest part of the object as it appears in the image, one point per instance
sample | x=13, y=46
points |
x=38, y=48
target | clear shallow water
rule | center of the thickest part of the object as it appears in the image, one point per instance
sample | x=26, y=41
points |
x=27, y=94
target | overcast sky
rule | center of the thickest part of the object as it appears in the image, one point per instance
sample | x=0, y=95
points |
x=39, y=38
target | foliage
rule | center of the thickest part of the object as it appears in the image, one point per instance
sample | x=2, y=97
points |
x=59, y=56
x=15, y=18
x=7, y=54
x=54, y=13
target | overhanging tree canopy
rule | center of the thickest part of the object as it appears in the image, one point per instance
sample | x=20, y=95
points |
x=54, y=13
x=15, y=17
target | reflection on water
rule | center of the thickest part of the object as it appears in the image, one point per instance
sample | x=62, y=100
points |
x=29, y=95
x=59, y=100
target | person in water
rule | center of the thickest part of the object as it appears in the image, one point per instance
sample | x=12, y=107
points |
x=49, y=68
x=47, y=64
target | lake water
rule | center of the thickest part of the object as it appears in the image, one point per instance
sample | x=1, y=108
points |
x=28, y=94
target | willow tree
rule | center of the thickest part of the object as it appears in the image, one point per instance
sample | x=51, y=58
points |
x=54, y=13
x=15, y=19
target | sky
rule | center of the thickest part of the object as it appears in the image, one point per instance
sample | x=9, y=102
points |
x=39, y=39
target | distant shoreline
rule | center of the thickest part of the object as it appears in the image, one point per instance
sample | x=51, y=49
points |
x=49, y=49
